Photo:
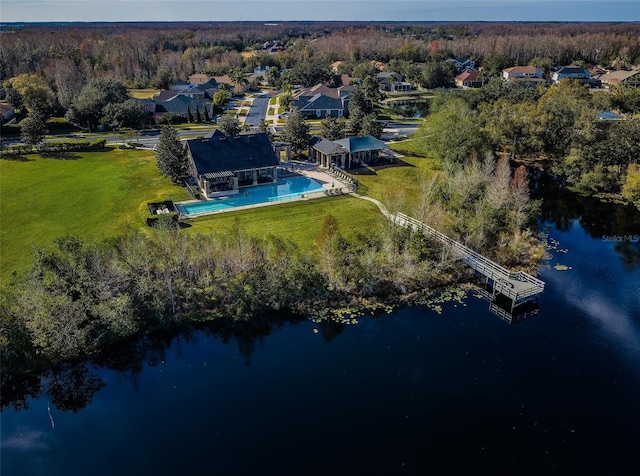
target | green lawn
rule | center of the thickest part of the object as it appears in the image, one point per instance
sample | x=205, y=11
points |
x=398, y=185
x=93, y=195
x=143, y=93
x=300, y=222
x=101, y=194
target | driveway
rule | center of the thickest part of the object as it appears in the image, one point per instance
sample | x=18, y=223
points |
x=258, y=110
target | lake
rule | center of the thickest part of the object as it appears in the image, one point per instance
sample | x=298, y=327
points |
x=410, y=392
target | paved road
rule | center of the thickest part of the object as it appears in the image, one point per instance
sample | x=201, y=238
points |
x=258, y=110
x=395, y=130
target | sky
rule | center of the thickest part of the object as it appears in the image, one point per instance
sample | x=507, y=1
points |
x=348, y=10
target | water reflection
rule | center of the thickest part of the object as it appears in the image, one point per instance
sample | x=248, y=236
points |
x=615, y=223
x=71, y=387
x=502, y=308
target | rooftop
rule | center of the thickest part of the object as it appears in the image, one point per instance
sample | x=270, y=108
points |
x=232, y=153
x=359, y=144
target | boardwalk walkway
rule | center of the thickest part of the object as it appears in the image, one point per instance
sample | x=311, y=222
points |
x=519, y=287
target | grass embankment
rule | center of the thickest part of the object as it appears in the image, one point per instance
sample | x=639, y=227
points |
x=398, y=185
x=300, y=222
x=93, y=195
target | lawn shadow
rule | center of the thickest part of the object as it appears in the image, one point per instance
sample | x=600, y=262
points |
x=17, y=158
x=396, y=163
x=60, y=155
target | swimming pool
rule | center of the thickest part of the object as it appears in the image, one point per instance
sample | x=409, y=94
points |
x=288, y=189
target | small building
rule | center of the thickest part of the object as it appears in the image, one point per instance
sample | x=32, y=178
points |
x=392, y=82
x=325, y=153
x=199, y=78
x=469, y=79
x=461, y=64
x=579, y=74
x=180, y=105
x=631, y=78
x=349, y=152
x=323, y=101
x=221, y=165
x=521, y=72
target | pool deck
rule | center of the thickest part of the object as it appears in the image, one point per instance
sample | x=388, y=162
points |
x=313, y=171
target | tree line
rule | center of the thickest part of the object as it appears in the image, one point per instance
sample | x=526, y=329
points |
x=143, y=55
x=558, y=126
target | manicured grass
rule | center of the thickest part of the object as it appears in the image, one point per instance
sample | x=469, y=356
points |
x=299, y=222
x=93, y=195
x=398, y=185
x=272, y=101
x=143, y=93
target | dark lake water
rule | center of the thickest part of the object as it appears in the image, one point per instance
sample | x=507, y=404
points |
x=411, y=392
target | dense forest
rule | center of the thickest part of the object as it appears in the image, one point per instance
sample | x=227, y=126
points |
x=154, y=54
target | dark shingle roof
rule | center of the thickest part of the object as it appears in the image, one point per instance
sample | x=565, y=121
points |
x=325, y=146
x=166, y=95
x=319, y=102
x=179, y=105
x=232, y=153
x=215, y=133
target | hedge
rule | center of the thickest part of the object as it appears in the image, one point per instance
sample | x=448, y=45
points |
x=53, y=147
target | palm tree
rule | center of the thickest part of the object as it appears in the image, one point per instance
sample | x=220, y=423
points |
x=239, y=79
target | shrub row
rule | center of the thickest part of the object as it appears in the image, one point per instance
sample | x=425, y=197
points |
x=52, y=147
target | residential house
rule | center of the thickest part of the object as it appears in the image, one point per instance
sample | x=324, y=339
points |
x=631, y=78
x=347, y=80
x=469, y=79
x=462, y=65
x=7, y=112
x=528, y=74
x=199, y=78
x=238, y=88
x=178, y=104
x=221, y=165
x=392, y=82
x=323, y=101
x=349, y=152
x=574, y=72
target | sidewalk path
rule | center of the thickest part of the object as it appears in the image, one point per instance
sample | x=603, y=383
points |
x=382, y=208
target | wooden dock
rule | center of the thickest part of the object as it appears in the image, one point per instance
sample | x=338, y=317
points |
x=519, y=287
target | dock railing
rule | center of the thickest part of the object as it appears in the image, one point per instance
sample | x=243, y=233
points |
x=502, y=277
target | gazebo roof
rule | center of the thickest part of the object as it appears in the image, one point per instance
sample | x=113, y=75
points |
x=359, y=144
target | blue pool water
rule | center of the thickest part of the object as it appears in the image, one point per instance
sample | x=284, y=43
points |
x=290, y=188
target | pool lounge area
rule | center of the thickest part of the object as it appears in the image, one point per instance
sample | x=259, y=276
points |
x=287, y=189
